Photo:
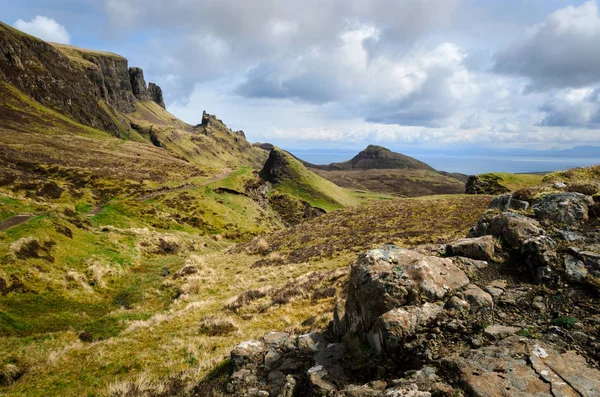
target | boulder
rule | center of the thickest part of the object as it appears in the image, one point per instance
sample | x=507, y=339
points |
x=514, y=229
x=385, y=279
x=517, y=366
x=481, y=248
x=478, y=298
x=393, y=327
x=485, y=184
x=470, y=266
x=563, y=208
x=500, y=331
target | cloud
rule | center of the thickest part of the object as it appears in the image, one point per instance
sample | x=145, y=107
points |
x=44, y=28
x=560, y=52
x=573, y=108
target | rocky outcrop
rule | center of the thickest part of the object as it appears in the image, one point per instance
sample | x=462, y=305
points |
x=563, y=208
x=156, y=95
x=457, y=325
x=138, y=84
x=485, y=184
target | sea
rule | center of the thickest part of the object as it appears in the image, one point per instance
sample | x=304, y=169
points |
x=468, y=163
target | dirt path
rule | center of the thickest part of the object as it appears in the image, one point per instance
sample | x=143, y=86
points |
x=15, y=220
x=217, y=177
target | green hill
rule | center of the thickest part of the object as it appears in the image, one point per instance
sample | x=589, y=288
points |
x=295, y=188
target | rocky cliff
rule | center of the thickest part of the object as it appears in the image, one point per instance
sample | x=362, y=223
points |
x=51, y=78
x=73, y=81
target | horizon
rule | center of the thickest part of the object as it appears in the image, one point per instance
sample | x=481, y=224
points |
x=414, y=76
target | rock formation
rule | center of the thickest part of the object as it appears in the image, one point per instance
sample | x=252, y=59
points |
x=485, y=184
x=138, y=84
x=156, y=95
x=427, y=322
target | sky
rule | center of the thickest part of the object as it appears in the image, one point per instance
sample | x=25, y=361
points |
x=431, y=75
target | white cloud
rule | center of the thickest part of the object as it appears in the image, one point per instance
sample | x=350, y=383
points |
x=44, y=28
x=560, y=52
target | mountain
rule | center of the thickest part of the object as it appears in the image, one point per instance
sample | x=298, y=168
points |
x=299, y=193
x=378, y=169
x=378, y=157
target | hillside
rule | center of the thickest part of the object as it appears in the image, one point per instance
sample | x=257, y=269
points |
x=501, y=182
x=298, y=193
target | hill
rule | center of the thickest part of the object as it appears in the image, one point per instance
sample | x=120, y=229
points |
x=378, y=157
x=378, y=169
x=501, y=182
x=299, y=193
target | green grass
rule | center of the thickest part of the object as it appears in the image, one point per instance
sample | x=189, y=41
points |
x=518, y=181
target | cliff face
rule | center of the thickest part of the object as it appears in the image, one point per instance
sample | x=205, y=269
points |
x=111, y=76
x=41, y=71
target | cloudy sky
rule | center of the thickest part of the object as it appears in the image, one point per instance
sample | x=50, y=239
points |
x=432, y=74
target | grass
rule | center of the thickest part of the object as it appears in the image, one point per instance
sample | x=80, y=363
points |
x=518, y=181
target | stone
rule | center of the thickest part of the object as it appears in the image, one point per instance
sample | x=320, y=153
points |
x=519, y=367
x=478, y=298
x=507, y=202
x=514, y=229
x=393, y=327
x=481, y=248
x=500, y=331
x=563, y=208
x=247, y=352
x=456, y=303
x=312, y=342
x=470, y=266
x=289, y=388
x=485, y=184
x=156, y=95
x=382, y=280
x=319, y=383
x=575, y=270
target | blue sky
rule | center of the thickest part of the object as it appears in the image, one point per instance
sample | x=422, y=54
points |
x=426, y=74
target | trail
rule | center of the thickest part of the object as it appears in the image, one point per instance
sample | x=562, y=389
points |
x=225, y=173
x=15, y=220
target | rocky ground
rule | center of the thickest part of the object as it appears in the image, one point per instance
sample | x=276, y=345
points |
x=512, y=310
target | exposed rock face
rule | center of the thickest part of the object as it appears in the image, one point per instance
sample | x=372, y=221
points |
x=485, y=184
x=564, y=208
x=41, y=71
x=138, y=84
x=382, y=280
x=521, y=367
x=156, y=94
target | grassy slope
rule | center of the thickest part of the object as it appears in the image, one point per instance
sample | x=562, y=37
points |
x=518, y=181
x=297, y=181
x=398, y=182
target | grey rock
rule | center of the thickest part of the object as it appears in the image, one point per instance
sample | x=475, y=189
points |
x=514, y=229
x=456, y=303
x=393, y=327
x=500, y=331
x=563, y=208
x=575, y=270
x=481, y=248
x=470, y=266
x=520, y=367
x=507, y=202
x=382, y=280
x=478, y=298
